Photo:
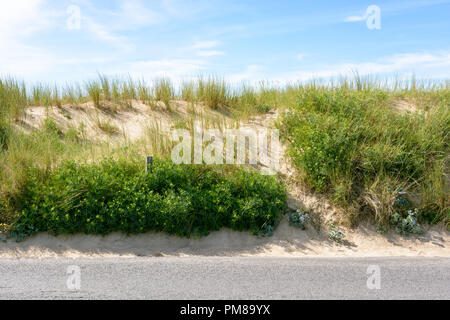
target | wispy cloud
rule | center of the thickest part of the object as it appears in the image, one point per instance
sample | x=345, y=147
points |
x=204, y=45
x=103, y=33
x=129, y=15
x=209, y=53
x=421, y=63
x=205, y=48
x=20, y=19
x=176, y=69
x=355, y=18
x=252, y=72
x=137, y=14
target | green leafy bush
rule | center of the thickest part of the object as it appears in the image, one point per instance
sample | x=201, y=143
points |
x=351, y=144
x=113, y=195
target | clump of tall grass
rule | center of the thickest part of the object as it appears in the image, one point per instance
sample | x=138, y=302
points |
x=188, y=91
x=13, y=99
x=129, y=92
x=157, y=142
x=144, y=93
x=106, y=87
x=107, y=127
x=45, y=95
x=214, y=92
x=108, y=93
x=95, y=93
x=270, y=95
x=72, y=94
x=164, y=91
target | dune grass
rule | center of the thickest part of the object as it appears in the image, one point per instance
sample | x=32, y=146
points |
x=350, y=139
x=352, y=143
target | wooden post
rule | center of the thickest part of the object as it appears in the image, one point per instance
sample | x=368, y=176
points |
x=149, y=164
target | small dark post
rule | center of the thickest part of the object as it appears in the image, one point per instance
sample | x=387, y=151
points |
x=149, y=164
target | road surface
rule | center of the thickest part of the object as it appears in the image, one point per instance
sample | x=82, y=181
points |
x=225, y=278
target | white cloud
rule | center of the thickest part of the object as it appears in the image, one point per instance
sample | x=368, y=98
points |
x=355, y=18
x=182, y=9
x=21, y=20
x=423, y=64
x=209, y=53
x=252, y=72
x=106, y=25
x=205, y=48
x=22, y=17
x=22, y=60
x=135, y=13
x=102, y=33
x=175, y=69
x=204, y=45
x=300, y=56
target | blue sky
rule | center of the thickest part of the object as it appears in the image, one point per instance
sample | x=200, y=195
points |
x=43, y=40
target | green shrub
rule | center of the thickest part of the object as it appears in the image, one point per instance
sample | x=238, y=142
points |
x=113, y=195
x=51, y=127
x=263, y=109
x=345, y=142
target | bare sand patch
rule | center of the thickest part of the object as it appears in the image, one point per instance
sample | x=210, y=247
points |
x=287, y=241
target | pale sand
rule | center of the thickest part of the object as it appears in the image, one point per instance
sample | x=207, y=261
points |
x=286, y=241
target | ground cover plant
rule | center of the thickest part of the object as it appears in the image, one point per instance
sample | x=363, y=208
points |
x=354, y=145
x=375, y=149
x=118, y=195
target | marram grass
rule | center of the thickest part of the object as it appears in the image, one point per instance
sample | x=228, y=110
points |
x=376, y=148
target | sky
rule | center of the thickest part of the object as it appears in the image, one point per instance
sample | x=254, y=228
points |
x=60, y=41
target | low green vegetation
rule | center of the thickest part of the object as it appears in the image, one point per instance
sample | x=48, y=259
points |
x=107, y=127
x=299, y=218
x=355, y=145
x=120, y=196
x=376, y=150
x=335, y=234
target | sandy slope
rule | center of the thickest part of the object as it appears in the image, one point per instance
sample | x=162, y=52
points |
x=286, y=241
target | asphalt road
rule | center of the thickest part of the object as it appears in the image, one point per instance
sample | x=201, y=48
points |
x=225, y=278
